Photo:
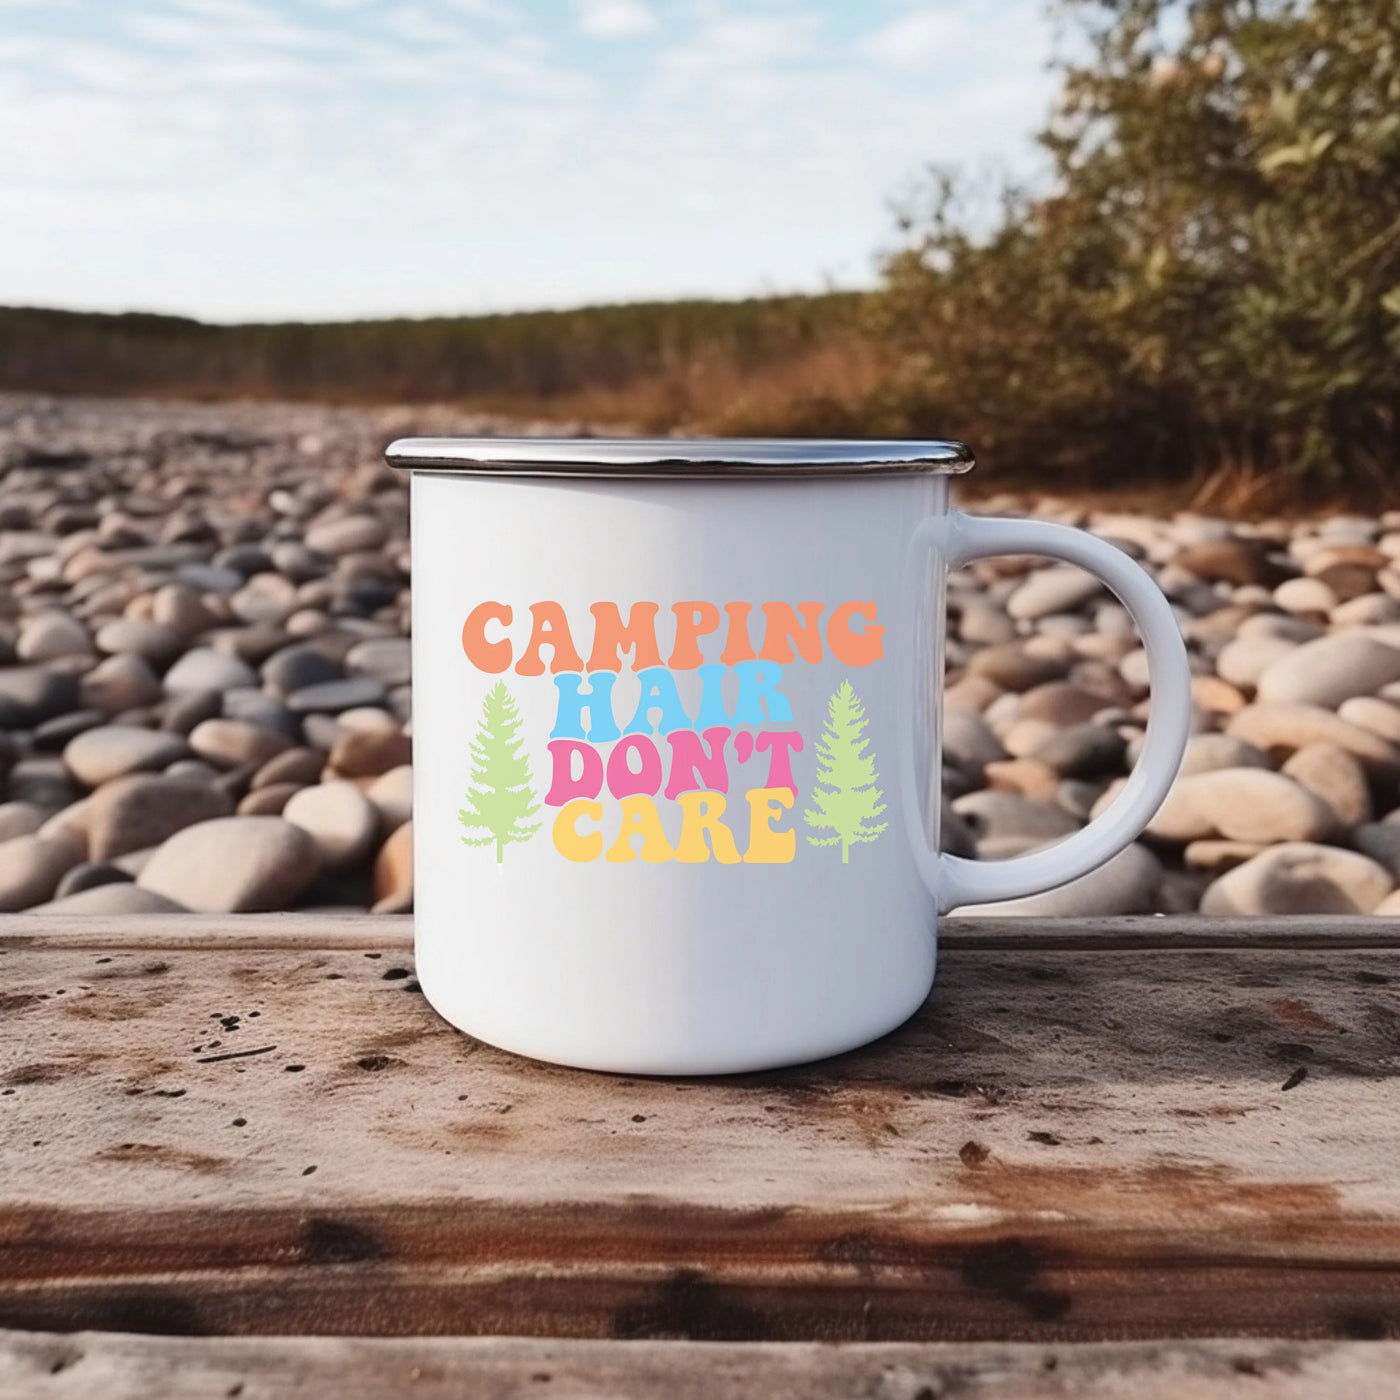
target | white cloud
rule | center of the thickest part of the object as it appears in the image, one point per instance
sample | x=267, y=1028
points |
x=733, y=57
x=921, y=38
x=615, y=19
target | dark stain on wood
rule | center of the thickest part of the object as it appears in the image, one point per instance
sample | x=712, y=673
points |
x=1011, y=1269
x=1367, y=1326
x=479, y=1131
x=687, y=1306
x=871, y=1109
x=43, y=1072
x=160, y=1154
x=327, y=1241
x=1294, y=1011
x=141, y=1308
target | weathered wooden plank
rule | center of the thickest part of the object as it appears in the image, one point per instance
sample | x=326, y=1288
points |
x=77, y=1366
x=1162, y=931
x=200, y=931
x=395, y=931
x=1060, y=1145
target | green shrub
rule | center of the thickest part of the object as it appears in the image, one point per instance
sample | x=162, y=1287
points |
x=1213, y=281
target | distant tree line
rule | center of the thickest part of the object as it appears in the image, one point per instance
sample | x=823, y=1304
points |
x=659, y=364
x=1207, y=292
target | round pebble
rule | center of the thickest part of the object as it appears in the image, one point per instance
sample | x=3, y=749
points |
x=1369, y=712
x=51, y=635
x=1013, y=668
x=20, y=819
x=234, y=865
x=1300, y=879
x=153, y=640
x=89, y=875
x=299, y=766
x=1082, y=751
x=232, y=743
x=296, y=667
x=1330, y=670
x=1241, y=804
x=1329, y=772
x=142, y=810
x=114, y=750
x=339, y=818
x=1027, y=776
x=182, y=609
x=347, y=535
x=968, y=741
x=1228, y=561
x=1283, y=729
x=330, y=697
x=1054, y=590
x=120, y=683
x=393, y=872
x=31, y=867
x=53, y=735
x=112, y=899
x=29, y=695
x=267, y=801
x=392, y=797
x=207, y=669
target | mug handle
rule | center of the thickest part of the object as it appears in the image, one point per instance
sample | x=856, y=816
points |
x=958, y=539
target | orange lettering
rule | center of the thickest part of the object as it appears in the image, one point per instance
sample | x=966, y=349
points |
x=781, y=626
x=693, y=620
x=737, y=646
x=492, y=657
x=855, y=648
x=610, y=637
x=552, y=627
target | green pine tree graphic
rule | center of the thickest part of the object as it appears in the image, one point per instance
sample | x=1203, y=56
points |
x=846, y=798
x=500, y=799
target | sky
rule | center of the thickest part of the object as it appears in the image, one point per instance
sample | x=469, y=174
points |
x=328, y=159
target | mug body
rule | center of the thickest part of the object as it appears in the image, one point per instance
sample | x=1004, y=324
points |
x=660, y=827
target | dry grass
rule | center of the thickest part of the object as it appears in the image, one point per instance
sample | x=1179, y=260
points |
x=819, y=391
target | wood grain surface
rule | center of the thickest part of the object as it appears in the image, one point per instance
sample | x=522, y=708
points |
x=79, y=1366
x=1089, y=1132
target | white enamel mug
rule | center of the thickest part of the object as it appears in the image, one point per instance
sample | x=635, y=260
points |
x=676, y=733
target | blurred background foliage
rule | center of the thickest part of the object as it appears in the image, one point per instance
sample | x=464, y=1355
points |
x=1204, y=295
x=1212, y=287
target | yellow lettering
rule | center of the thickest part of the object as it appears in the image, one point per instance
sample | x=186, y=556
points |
x=766, y=846
x=567, y=840
x=700, y=813
x=640, y=818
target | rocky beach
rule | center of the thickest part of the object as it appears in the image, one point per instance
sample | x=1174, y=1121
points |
x=205, y=697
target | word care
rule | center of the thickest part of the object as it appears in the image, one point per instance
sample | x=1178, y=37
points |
x=737, y=729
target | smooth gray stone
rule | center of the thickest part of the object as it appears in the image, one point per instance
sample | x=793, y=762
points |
x=31, y=694
x=331, y=697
